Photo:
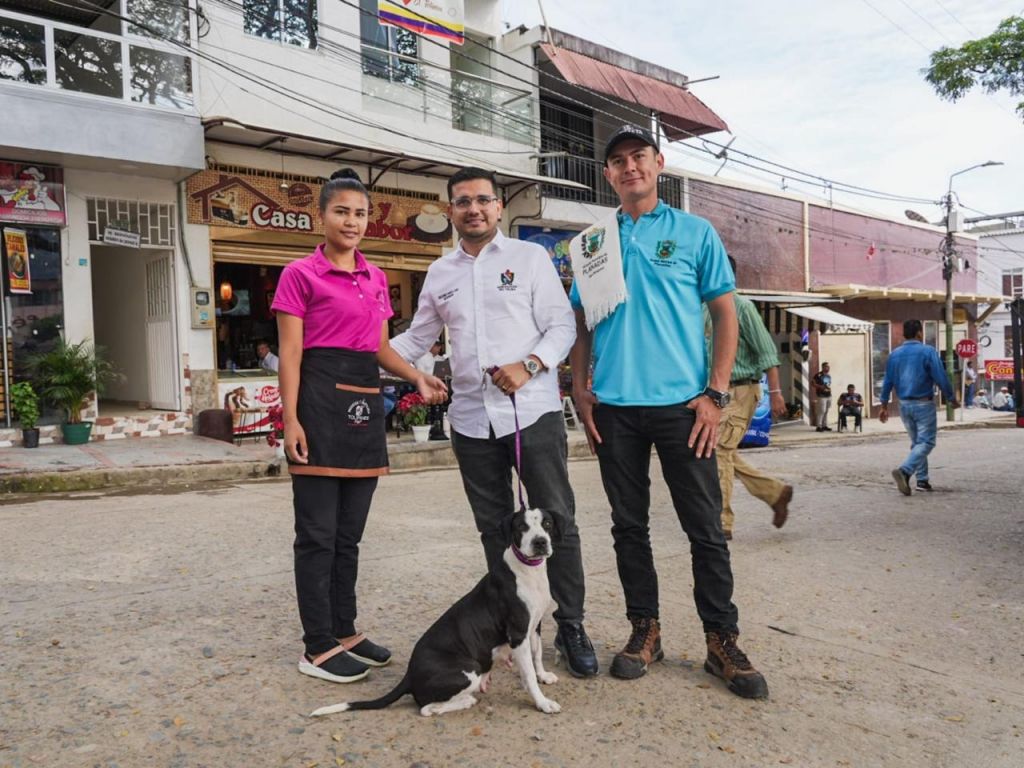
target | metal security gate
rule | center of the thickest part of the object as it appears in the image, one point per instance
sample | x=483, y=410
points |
x=160, y=338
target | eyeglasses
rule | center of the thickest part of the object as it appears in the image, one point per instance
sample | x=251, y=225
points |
x=463, y=203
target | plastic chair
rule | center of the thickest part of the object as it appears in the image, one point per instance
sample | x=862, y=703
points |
x=858, y=423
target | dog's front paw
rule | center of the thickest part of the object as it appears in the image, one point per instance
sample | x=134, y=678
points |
x=549, y=706
x=548, y=678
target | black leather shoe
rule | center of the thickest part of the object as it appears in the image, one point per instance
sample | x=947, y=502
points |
x=574, y=646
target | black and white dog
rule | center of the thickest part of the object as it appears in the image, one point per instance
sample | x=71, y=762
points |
x=498, y=620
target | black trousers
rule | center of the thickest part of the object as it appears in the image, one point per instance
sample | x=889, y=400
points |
x=486, y=466
x=628, y=432
x=330, y=516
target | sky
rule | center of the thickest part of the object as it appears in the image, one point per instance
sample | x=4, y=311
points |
x=833, y=89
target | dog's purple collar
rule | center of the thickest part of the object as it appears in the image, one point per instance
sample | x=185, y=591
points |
x=524, y=559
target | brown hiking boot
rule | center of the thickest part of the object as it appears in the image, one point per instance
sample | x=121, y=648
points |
x=781, y=507
x=727, y=661
x=643, y=648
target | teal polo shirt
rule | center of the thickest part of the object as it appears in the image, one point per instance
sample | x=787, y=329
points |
x=650, y=350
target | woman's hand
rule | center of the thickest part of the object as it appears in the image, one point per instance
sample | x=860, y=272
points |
x=295, y=442
x=431, y=389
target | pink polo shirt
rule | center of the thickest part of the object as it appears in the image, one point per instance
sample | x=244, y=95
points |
x=338, y=308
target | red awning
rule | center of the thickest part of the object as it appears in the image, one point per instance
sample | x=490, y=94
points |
x=682, y=114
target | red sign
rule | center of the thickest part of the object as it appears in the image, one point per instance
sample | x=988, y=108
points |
x=999, y=370
x=967, y=348
x=31, y=193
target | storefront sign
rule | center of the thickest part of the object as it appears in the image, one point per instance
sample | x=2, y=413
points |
x=259, y=203
x=18, y=272
x=556, y=241
x=440, y=19
x=31, y=193
x=113, y=236
x=999, y=370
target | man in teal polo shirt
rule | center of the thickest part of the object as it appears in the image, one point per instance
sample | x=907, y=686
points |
x=650, y=388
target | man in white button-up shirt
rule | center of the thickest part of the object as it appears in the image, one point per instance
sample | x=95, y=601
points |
x=505, y=308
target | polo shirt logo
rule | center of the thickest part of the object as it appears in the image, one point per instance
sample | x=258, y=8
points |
x=666, y=248
x=359, y=414
x=508, y=278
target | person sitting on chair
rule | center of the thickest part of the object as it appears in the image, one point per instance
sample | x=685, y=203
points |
x=850, y=404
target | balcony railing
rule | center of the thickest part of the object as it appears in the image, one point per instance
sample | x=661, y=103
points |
x=37, y=51
x=483, y=106
x=589, y=172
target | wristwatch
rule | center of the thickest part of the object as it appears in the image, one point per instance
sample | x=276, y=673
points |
x=532, y=366
x=721, y=399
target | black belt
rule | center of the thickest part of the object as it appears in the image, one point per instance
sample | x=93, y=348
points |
x=743, y=382
x=925, y=397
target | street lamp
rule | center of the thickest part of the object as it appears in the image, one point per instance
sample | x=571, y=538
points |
x=948, y=257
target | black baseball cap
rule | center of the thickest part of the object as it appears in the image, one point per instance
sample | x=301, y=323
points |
x=627, y=132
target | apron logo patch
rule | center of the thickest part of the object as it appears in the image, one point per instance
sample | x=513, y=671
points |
x=359, y=414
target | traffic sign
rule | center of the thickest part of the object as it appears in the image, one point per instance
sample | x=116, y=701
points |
x=967, y=348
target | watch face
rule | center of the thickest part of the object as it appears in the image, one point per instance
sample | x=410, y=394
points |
x=724, y=399
x=532, y=366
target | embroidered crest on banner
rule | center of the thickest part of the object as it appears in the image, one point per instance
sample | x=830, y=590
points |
x=594, y=242
x=359, y=413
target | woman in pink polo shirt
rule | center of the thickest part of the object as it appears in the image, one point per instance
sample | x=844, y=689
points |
x=331, y=310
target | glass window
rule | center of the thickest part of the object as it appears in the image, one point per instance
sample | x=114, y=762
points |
x=380, y=41
x=1013, y=282
x=290, y=21
x=931, y=333
x=880, y=347
x=22, y=52
x=88, y=64
x=160, y=78
x=36, y=318
x=168, y=18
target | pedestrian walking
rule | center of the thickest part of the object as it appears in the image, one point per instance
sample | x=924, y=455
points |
x=508, y=315
x=913, y=371
x=970, y=380
x=651, y=387
x=755, y=354
x=332, y=307
x=822, y=382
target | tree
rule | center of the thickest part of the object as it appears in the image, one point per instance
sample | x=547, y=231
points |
x=995, y=63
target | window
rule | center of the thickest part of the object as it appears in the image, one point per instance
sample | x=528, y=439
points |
x=880, y=347
x=166, y=18
x=1013, y=282
x=931, y=333
x=388, y=52
x=289, y=21
x=22, y=52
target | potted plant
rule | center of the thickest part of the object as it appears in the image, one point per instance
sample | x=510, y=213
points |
x=275, y=438
x=67, y=375
x=26, y=407
x=414, y=413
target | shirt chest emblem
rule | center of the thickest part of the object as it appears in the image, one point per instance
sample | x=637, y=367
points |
x=508, y=281
x=666, y=248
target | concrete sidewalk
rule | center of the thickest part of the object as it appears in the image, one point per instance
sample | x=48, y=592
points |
x=187, y=459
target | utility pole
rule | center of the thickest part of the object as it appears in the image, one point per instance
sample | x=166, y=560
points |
x=948, y=256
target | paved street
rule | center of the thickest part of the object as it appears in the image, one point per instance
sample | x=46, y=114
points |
x=161, y=630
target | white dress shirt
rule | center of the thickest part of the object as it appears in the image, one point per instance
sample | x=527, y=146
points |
x=500, y=307
x=270, y=362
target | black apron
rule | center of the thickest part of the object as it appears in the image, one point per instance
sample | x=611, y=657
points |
x=342, y=412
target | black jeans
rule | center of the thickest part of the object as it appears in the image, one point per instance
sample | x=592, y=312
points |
x=330, y=516
x=628, y=432
x=486, y=467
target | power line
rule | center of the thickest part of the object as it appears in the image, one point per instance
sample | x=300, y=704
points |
x=869, y=4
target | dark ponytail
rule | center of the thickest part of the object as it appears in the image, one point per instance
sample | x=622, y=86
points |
x=343, y=179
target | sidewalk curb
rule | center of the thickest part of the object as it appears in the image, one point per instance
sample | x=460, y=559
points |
x=403, y=458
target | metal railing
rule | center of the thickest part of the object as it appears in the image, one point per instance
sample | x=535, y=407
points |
x=41, y=52
x=589, y=172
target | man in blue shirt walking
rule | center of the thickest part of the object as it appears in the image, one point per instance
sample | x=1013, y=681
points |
x=914, y=370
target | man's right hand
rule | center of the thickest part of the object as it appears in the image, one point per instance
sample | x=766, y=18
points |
x=586, y=401
x=883, y=414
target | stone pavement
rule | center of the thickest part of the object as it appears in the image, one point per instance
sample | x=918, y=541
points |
x=187, y=459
